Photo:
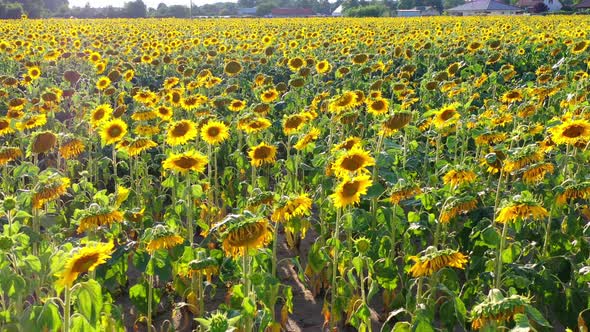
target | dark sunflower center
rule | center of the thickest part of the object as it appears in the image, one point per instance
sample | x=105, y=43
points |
x=447, y=114
x=175, y=97
x=213, y=131
x=296, y=63
x=98, y=114
x=293, y=122
x=352, y=163
x=115, y=131
x=378, y=105
x=185, y=162
x=180, y=129
x=3, y=125
x=573, y=131
x=262, y=152
x=350, y=189
x=82, y=264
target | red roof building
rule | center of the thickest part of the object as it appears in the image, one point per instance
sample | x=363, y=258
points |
x=292, y=12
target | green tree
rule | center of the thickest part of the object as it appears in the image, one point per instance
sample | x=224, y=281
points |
x=452, y=3
x=135, y=9
x=406, y=4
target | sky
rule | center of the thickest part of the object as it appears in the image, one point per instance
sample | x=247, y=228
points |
x=149, y=3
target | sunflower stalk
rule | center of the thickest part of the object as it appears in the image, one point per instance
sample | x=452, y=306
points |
x=150, y=295
x=67, y=307
x=246, y=261
x=498, y=274
x=189, y=210
x=334, y=287
x=375, y=175
x=545, y=251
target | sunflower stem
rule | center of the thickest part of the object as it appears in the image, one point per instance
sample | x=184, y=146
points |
x=67, y=305
x=334, y=291
x=149, y=299
x=247, y=285
x=498, y=276
x=497, y=200
x=189, y=210
x=548, y=233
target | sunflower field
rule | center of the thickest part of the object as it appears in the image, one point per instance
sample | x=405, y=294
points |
x=295, y=174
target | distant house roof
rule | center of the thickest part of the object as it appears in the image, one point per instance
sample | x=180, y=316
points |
x=337, y=11
x=584, y=4
x=485, y=5
x=528, y=3
x=292, y=12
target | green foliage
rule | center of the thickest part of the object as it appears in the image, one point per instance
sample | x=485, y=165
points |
x=367, y=11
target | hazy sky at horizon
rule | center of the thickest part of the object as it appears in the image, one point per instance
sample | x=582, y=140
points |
x=149, y=3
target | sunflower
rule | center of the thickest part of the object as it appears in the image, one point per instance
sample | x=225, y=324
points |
x=254, y=125
x=194, y=101
x=236, y=105
x=434, y=260
x=83, y=260
x=113, y=131
x=496, y=309
x=49, y=190
x=536, y=173
x=206, y=266
x=269, y=95
x=446, y=116
x=403, y=190
x=522, y=157
x=138, y=145
x=214, y=132
x=511, y=96
x=580, y=46
x=323, y=67
x=573, y=190
x=181, y=132
x=97, y=216
x=459, y=177
x=100, y=114
x=164, y=112
x=187, y=161
x=522, y=207
x=42, y=142
x=262, y=154
x=296, y=63
x=303, y=142
x=395, y=122
x=5, y=128
x=34, y=72
x=32, y=122
x=245, y=234
x=162, y=238
x=293, y=123
x=292, y=207
x=457, y=206
x=349, y=191
x=144, y=115
x=71, y=148
x=490, y=138
x=144, y=130
x=377, y=106
x=8, y=154
x=353, y=161
x=572, y=132
x=145, y=97
x=128, y=75
x=232, y=68
x=171, y=82
x=344, y=102
x=103, y=83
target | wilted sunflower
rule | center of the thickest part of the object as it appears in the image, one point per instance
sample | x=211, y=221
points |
x=8, y=154
x=573, y=190
x=214, y=132
x=303, y=142
x=353, y=161
x=180, y=132
x=403, y=190
x=521, y=207
x=571, y=132
x=84, y=260
x=396, y=121
x=349, y=191
x=5, y=128
x=42, y=142
x=446, y=116
x=113, y=131
x=459, y=177
x=232, y=68
x=434, y=260
x=291, y=207
x=96, y=216
x=270, y=95
x=187, y=161
x=348, y=144
x=244, y=233
x=536, y=173
x=71, y=148
x=160, y=237
x=496, y=309
x=138, y=145
x=522, y=157
x=144, y=115
x=262, y=154
x=456, y=206
x=50, y=189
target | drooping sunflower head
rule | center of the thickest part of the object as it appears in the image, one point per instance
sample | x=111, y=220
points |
x=349, y=191
x=432, y=260
x=214, y=132
x=244, y=232
x=180, y=132
x=113, y=131
x=521, y=207
x=83, y=260
x=292, y=207
x=457, y=205
x=522, y=157
x=496, y=309
x=8, y=154
x=459, y=176
x=136, y=146
x=97, y=216
x=571, y=190
x=395, y=122
x=403, y=190
x=160, y=237
x=262, y=154
x=353, y=161
x=71, y=147
x=348, y=144
x=232, y=68
x=187, y=161
x=253, y=124
x=50, y=186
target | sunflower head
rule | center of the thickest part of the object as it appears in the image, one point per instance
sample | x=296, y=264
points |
x=160, y=237
x=349, y=190
x=244, y=232
x=180, y=132
x=82, y=260
x=262, y=154
x=214, y=132
x=521, y=207
x=186, y=161
x=496, y=309
x=113, y=131
x=432, y=260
